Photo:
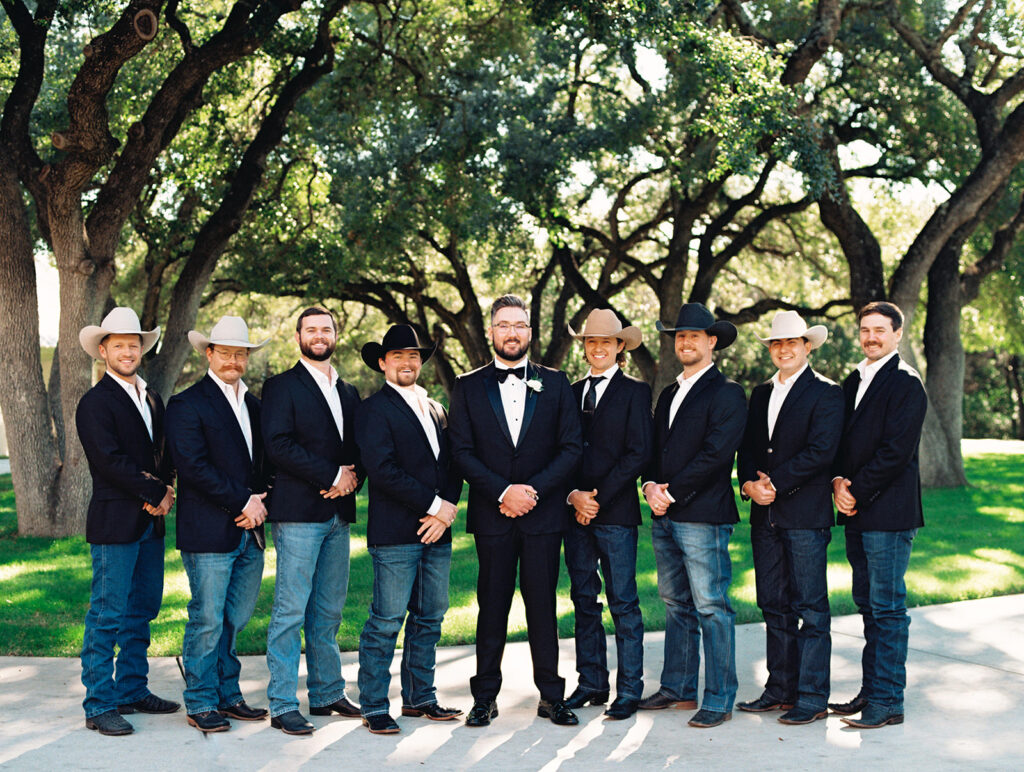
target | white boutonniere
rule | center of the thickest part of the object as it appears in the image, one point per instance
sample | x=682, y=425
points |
x=535, y=384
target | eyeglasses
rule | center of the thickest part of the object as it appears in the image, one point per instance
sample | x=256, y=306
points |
x=505, y=327
x=237, y=356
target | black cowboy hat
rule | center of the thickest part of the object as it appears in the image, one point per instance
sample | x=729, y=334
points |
x=399, y=337
x=696, y=316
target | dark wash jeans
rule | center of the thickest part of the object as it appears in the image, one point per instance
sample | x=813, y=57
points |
x=410, y=585
x=613, y=547
x=879, y=561
x=790, y=571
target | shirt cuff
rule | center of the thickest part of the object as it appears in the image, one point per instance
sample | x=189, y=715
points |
x=669, y=496
x=337, y=477
x=501, y=498
x=435, y=506
x=574, y=490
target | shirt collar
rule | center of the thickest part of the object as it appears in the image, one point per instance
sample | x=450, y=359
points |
x=609, y=373
x=776, y=383
x=139, y=386
x=868, y=369
x=332, y=380
x=693, y=378
x=408, y=394
x=228, y=388
x=502, y=366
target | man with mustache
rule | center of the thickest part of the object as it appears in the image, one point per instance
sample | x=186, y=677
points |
x=516, y=437
x=213, y=431
x=309, y=435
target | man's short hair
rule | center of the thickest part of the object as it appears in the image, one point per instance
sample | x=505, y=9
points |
x=884, y=308
x=509, y=301
x=315, y=311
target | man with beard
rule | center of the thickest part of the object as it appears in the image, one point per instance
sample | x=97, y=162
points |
x=213, y=431
x=308, y=433
x=516, y=436
x=414, y=494
x=121, y=426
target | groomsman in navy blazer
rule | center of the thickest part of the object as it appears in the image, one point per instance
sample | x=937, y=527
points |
x=516, y=437
x=414, y=495
x=615, y=410
x=308, y=419
x=698, y=426
x=785, y=469
x=877, y=490
x=213, y=432
x=121, y=426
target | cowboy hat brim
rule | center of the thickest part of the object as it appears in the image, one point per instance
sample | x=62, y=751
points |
x=631, y=336
x=816, y=335
x=91, y=336
x=724, y=332
x=200, y=342
x=372, y=352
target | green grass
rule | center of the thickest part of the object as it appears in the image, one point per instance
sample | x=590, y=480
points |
x=970, y=548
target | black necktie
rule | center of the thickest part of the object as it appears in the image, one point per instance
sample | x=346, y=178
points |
x=590, y=398
x=518, y=372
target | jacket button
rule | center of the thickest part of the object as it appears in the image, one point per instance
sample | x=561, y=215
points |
x=769, y=450
x=586, y=444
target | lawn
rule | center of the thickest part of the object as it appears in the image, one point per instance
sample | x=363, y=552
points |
x=970, y=548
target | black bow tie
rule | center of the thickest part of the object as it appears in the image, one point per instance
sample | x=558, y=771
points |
x=518, y=372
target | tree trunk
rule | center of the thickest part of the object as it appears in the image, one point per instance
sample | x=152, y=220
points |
x=1016, y=385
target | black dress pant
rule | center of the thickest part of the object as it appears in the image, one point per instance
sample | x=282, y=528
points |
x=536, y=556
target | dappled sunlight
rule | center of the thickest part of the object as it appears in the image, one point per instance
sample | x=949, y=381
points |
x=1010, y=515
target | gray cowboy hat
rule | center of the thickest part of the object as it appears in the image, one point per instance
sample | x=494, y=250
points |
x=229, y=331
x=120, y=321
x=789, y=324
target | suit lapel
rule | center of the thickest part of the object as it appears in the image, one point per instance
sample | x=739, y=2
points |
x=876, y=386
x=609, y=391
x=702, y=383
x=219, y=404
x=531, y=398
x=403, y=407
x=306, y=379
x=793, y=398
x=128, y=403
x=494, y=395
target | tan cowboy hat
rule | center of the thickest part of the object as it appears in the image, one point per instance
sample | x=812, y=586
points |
x=789, y=324
x=603, y=323
x=229, y=331
x=120, y=321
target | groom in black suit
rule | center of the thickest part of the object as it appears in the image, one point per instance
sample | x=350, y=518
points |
x=516, y=436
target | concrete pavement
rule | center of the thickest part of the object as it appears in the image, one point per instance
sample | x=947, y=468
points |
x=964, y=698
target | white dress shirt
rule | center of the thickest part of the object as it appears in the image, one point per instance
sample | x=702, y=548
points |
x=685, y=384
x=601, y=386
x=868, y=371
x=237, y=403
x=137, y=394
x=513, y=398
x=416, y=398
x=329, y=388
x=780, y=391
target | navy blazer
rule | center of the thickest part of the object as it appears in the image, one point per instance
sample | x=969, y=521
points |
x=546, y=456
x=878, y=452
x=403, y=474
x=695, y=456
x=216, y=477
x=128, y=468
x=301, y=442
x=799, y=455
x=617, y=443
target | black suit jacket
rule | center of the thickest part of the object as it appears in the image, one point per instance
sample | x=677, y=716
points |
x=695, y=457
x=216, y=477
x=616, y=447
x=404, y=476
x=878, y=452
x=546, y=457
x=128, y=468
x=800, y=453
x=302, y=444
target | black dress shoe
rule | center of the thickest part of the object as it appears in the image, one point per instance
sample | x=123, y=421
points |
x=243, y=712
x=482, y=712
x=292, y=722
x=109, y=723
x=660, y=701
x=856, y=705
x=433, y=711
x=705, y=719
x=210, y=721
x=873, y=717
x=763, y=704
x=558, y=712
x=342, y=707
x=149, y=704
x=381, y=723
x=581, y=697
x=621, y=709
x=802, y=716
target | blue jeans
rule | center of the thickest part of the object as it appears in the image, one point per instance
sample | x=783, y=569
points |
x=225, y=586
x=614, y=548
x=309, y=594
x=792, y=593
x=409, y=578
x=694, y=572
x=879, y=561
x=127, y=587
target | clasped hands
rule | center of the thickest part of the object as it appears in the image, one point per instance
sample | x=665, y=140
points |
x=347, y=483
x=845, y=501
x=585, y=504
x=657, y=498
x=434, y=526
x=760, y=490
x=254, y=514
x=164, y=506
x=518, y=500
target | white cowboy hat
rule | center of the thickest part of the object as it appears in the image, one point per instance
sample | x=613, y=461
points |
x=120, y=321
x=789, y=324
x=229, y=331
x=603, y=323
